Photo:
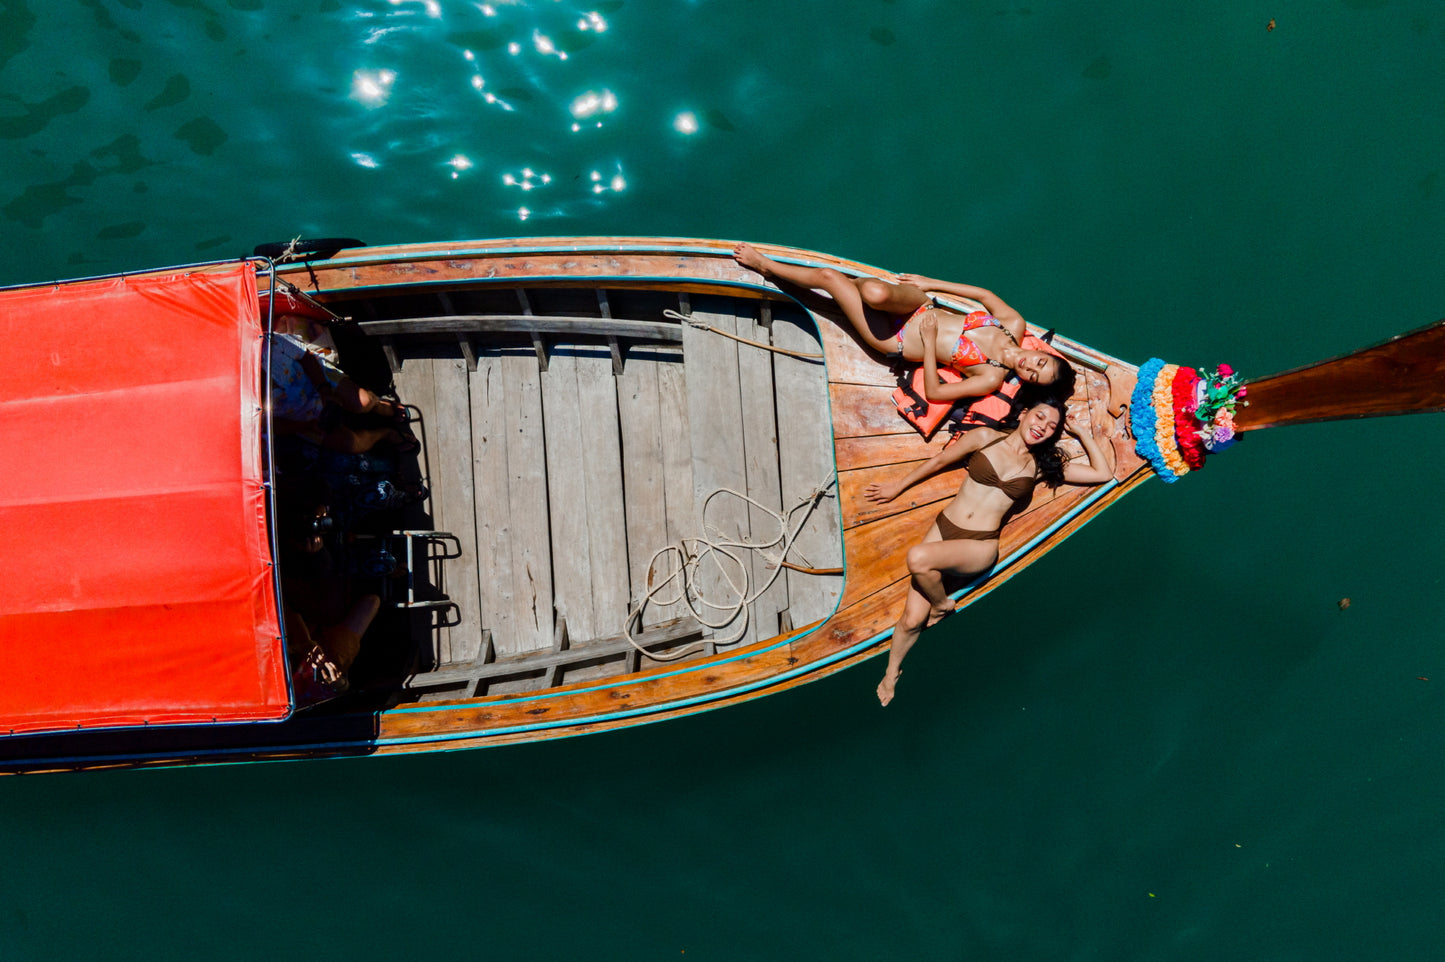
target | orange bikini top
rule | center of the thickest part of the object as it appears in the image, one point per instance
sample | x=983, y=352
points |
x=967, y=353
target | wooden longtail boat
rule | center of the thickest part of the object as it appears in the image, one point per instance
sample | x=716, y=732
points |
x=579, y=403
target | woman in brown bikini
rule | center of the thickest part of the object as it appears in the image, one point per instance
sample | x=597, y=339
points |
x=983, y=346
x=1001, y=469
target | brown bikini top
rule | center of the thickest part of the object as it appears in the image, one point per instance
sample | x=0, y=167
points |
x=981, y=469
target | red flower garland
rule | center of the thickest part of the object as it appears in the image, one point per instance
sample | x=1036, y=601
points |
x=1186, y=428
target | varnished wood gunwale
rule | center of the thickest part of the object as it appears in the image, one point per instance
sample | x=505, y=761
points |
x=866, y=441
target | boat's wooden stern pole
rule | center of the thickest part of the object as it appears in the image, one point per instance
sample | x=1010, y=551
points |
x=1404, y=375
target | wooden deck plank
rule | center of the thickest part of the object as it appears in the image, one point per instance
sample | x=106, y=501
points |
x=639, y=416
x=598, y=449
x=453, y=498
x=760, y=447
x=491, y=501
x=531, y=564
x=677, y=484
x=714, y=408
x=861, y=410
x=883, y=449
x=805, y=460
x=567, y=495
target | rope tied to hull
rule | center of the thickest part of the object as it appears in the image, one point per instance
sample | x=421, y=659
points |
x=688, y=555
x=704, y=326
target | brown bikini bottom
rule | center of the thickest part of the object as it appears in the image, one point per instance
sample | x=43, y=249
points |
x=952, y=532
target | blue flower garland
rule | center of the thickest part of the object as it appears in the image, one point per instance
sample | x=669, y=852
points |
x=1144, y=421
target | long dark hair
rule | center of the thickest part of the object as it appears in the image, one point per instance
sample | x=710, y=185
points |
x=1063, y=385
x=1047, y=456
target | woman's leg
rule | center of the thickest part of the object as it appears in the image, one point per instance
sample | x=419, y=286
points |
x=350, y=440
x=342, y=641
x=905, y=633
x=928, y=561
x=852, y=296
x=889, y=298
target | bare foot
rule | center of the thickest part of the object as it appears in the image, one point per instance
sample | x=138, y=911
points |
x=885, y=688
x=748, y=256
x=937, y=614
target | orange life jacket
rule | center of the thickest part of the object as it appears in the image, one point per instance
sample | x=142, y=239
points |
x=915, y=407
x=990, y=411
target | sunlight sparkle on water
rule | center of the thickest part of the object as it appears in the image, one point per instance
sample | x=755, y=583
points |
x=593, y=102
x=544, y=45
x=372, y=87
x=364, y=160
x=526, y=179
x=685, y=122
x=432, y=7
x=617, y=183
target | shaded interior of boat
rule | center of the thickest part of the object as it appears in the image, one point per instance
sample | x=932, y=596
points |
x=568, y=434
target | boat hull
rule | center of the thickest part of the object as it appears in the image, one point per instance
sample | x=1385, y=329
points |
x=869, y=441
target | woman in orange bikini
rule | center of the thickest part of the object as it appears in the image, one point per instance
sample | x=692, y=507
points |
x=1001, y=470
x=983, y=346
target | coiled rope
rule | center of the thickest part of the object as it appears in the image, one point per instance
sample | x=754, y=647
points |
x=689, y=554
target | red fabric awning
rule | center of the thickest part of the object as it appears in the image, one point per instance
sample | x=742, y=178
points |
x=135, y=579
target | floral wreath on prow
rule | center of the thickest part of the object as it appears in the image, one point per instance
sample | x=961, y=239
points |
x=1179, y=415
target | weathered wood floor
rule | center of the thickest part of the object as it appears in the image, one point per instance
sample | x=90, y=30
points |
x=563, y=462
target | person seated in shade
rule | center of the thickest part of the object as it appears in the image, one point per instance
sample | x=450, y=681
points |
x=321, y=659
x=983, y=346
x=1001, y=469
x=310, y=394
x=324, y=619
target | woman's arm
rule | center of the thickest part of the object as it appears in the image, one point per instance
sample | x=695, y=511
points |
x=937, y=389
x=1097, y=470
x=992, y=302
x=950, y=455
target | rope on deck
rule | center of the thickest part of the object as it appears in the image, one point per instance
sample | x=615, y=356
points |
x=687, y=319
x=688, y=555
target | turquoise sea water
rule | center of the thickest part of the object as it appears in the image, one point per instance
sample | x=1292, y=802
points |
x=1167, y=742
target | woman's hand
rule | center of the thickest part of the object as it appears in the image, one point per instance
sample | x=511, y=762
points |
x=928, y=328
x=918, y=281
x=1078, y=423
x=882, y=493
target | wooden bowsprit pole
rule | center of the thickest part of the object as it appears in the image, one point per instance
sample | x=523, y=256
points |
x=1404, y=375
x=1179, y=416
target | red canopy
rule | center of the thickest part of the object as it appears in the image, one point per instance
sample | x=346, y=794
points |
x=135, y=579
